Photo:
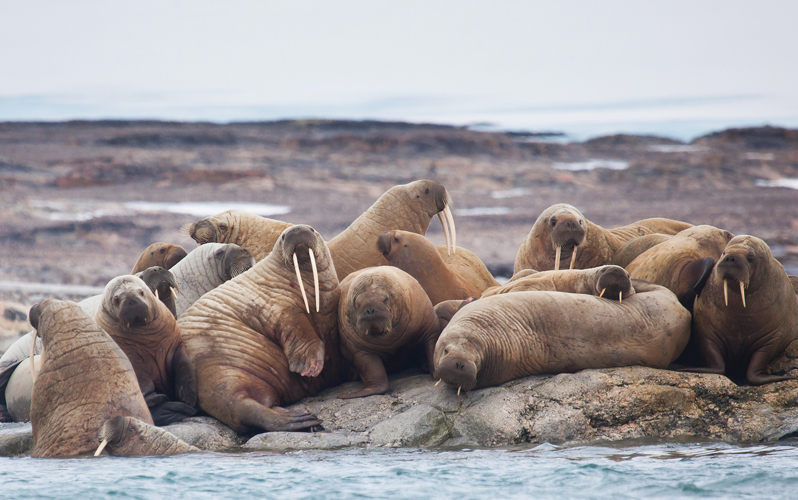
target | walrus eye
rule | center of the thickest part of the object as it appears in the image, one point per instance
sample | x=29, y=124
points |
x=222, y=227
x=386, y=300
x=580, y=222
x=163, y=250
x=219, y=253
x=446, y=351
x=553, y=222
x=426, y=191
x=750, y=257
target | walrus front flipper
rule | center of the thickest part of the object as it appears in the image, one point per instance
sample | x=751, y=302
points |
x=255, y=415
x=372, y=371
x=169, y=412
x=302, y=346
x=184, y=377
x=692, y=279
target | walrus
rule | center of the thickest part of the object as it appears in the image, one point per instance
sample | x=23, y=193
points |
x=383, y=317
x=163, y=284
x=268, y=337
x=562, y=237
x=159, y=254
x=85, y=379
x=505, y=337
x=630, y=250
x=468, y=266
x=417, y=256
x=408, y=207
x=446, y=310
x=746, y=314
x=147, y=333
x=610, y=282
x=130, y=437
x=683, y=262
x=255, y=233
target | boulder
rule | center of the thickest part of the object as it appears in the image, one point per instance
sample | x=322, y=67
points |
x=206, y=433
x=16, y=439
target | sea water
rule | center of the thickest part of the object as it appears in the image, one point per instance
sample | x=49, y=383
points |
x=669, y=470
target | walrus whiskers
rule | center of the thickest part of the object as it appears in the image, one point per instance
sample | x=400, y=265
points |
x=448, y=212
x=557, y=259
x=742, y=292
x=301, y=286
x=315, y=276
x=726, y=292
x=573, y=257
x=445, y=233
x=100, y=448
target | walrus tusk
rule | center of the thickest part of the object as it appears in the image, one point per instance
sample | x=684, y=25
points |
x=100, y=448
x=458, y=390
x=301, y=286
x=742, y=292
x=557, y=259
x=315, y=276
x=156, y=294
x=448, y=212
x=32, y=350
x=573, y=257
x=438, y=382
x=173, y=290
x=602, y=292
x=726, y=292
x=445, y=233
x=620, y=297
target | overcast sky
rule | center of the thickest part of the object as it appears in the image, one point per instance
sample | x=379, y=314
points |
x=533, y=63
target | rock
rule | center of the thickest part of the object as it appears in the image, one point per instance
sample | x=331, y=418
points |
x=16, y=439
x=286, y=441
x=421, y=425
x=766, y=137
x=206, y=433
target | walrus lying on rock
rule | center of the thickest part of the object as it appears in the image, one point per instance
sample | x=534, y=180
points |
x=268, y=337
x=159, y=254
x=746, y=314
x=610, y=282
x=417, y=256
x=509, y=336
x=562, y=237
x=384, y=316
x=130, y=437
x=408, y=207
x=255, y=233
x=85, y=381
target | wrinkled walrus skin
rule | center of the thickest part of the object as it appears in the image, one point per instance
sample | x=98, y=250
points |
x=505, y=337
x=85, y=380
x=737, y=335
x=383, y=317
x=565, y=227
x=255, y=346
x=255, y=233
x=159, y=254
x=408, y=207
x=609, y=282
x=130, y=437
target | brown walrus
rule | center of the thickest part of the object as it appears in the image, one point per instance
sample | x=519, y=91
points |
x=630, y=250
x=682, y=263
x=85, y=379
x=446, y=310
x=147, y=333
x=417, y=256
x=255, y=233
x=383, y=317
x=508, y=336
x=163, y=284
x=265, y=338
x=563, y=238
x=609, y=282
x=159, y=254
x=130, y=437
x=408, y=207
x=746, y=314
x=469, y=267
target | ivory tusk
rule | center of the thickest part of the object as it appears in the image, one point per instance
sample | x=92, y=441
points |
x=458, y=390
x=445, y=233
x=726, y=292
x=742, y=292
x=174, y=291
x=557, y=259
x=602, y=292
x=32, y=350
x=438, y=382
x=620, y=297
x=156, y=294
x=100, y=448
x=301, y=286
x=573, y=257
x=315, y=276
x=448, y=212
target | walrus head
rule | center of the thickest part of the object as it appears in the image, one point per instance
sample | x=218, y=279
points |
x=456, y=364
x=567, y=230
x=389, y=243
x=301, y=246
x=219, y=228
x=375, y=305
x=235, y=260
x=740, y=262
x=130, y=301
x=162, y=283
x=613, y=283
x=434, y=199
x=34, y=316
x=159, y=254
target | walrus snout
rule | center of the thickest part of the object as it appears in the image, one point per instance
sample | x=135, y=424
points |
x=236, y=261
x=374, y=317
x=614, y=283
x=298, y=239
x=203, y=231
x=158, y=278
x=567, y=231
x=456, y=371
x=734, y=266
x=37, y=310
x=134, y=311
x=174, y=254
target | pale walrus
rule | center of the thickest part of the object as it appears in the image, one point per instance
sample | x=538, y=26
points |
x=147, y=333
x=268, y=337
x=255, y=233
x=609, y=282
x=408, y=207
x=683, y=262
x=130, y=437
x=563, y=238
x=746, y=314
x=384, y=318
x=159, y=254
x=509, y=336
x=417, y=256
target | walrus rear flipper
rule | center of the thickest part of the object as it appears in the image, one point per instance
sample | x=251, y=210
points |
x=692, y=279
x=169, y=412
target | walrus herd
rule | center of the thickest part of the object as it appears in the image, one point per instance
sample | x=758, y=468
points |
x=264, y=313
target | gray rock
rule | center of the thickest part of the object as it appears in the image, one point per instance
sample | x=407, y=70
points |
x=206, y=433
x=421, y=425
x=16, y=439
x=286, y=441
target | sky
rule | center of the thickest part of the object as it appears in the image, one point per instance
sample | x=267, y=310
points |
x=678, y=68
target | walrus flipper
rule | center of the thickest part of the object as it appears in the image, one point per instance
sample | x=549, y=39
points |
x=372, y=371
x=184, y=377
x=756, y=375
x=692, y=279
x=169, y=412
x=302, y=346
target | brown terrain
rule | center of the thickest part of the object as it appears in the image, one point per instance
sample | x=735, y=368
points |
x=63, y=185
